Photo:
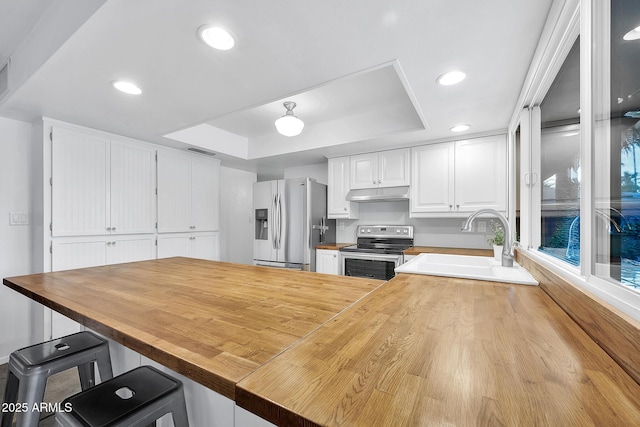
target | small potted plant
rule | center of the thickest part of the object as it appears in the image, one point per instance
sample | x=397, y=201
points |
x=497, y=240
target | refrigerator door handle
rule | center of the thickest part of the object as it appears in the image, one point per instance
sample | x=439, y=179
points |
x=274, y=231
x=279, y=221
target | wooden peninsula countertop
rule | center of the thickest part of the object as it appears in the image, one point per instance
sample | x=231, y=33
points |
x=309, y=349
x=424, y=350
x=213, y=322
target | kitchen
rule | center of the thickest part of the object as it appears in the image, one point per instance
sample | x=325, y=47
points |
x=413, y=109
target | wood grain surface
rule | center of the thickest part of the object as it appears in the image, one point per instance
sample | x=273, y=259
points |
x=613, y=330
x=333, y=246
x=213, y=322
x=417, y=250
x=424, y=350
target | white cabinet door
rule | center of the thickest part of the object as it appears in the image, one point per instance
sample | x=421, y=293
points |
x=364, y=171
x=191, y=245
x=132, y=189
x=481, y=174
x=78, y=253
x=382, y=169
x=174, y=192
x=170, y=245
x=205, y=246
x=80, y=183
x=393, y=168
x=130, y=249
x=327, y=261
x=188, y=193
x=432, y=179
x=337, y=188
x=205, y=174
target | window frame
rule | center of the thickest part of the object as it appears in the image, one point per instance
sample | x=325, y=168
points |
x=567, y=20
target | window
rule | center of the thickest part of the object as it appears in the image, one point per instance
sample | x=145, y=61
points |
x=560, y=170
x=617, y=146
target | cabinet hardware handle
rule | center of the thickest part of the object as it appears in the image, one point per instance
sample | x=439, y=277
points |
x=113, y=229
x=345, y=208
x=113, y=243
x=379, y=181
x=450, y=206
x=457, y=206
x=374, y=181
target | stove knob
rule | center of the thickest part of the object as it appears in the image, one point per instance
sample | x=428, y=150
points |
x=406, y=231
x=368, y=230
x=398, y=230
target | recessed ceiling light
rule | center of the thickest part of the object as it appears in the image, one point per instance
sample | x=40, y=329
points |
x=126, y=87
x=451, y=78
x=460, y=128
x=633, y=34
x=216, y=37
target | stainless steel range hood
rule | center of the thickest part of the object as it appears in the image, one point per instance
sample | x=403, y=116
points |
x=386, y=194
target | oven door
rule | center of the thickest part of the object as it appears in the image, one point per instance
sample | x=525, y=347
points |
x=369, y=265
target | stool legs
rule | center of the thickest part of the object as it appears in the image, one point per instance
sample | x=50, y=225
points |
x=10, y=396
x=31, y=393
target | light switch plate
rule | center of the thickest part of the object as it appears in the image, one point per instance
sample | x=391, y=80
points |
x=18, y=218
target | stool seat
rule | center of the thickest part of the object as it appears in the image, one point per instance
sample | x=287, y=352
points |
x=136, y=398
x=30, y=367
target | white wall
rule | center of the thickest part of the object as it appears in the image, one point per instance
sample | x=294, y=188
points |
x=236, y=215
x=16, y=312
x=439, y=232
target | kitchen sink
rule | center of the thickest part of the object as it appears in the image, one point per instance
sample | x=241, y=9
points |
x=466, y=267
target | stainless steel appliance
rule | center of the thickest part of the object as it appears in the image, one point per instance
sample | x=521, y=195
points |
x=290, y=221
x=379, y=250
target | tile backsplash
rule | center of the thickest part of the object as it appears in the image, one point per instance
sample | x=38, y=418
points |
x=440, y=232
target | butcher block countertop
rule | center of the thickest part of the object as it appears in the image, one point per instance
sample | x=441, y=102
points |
x=417, y=250
x=435, y=351
x=333, y=246
x=213, y=322
x=309, y=349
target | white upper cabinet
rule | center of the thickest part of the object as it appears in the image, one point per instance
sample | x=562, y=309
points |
x=133, y=186
x=205, y=174
x=481, y=174
x=459, y=177
x=432, y=180
x=383, y=169
x=337, y=189
x=79, y=183
x=100, y=186
x=188, y=194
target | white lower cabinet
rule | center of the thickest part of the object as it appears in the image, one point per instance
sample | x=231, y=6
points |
x=193, y=245
x=327, y=261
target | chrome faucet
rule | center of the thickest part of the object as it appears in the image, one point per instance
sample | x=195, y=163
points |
x=507, y=256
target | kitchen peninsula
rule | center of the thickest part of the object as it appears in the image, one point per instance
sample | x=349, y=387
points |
x=300, y=348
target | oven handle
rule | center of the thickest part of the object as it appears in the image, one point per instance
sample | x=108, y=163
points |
x=362, y=255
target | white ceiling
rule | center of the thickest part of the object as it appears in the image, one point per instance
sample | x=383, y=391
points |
x=363, y=73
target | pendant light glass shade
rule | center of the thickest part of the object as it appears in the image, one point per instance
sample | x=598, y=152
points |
x=289, y=125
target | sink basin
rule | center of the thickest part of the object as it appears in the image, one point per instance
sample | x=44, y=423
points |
x=467, y=267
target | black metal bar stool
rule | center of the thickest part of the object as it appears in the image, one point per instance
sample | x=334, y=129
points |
x=30, y=367
x=136, y=398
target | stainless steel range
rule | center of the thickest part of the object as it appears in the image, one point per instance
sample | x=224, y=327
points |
x=379, y=250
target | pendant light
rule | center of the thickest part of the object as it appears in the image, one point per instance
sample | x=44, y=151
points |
x=289, y=125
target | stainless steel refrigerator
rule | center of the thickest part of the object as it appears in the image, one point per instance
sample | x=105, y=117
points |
x=290, y=221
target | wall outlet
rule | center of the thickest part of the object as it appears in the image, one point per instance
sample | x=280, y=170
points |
x=341, y=225
x=482, y=226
